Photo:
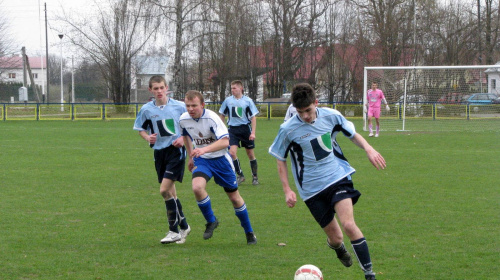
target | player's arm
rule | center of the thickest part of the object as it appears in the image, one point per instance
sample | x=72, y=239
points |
x=189, y=150
x=290, y=196
x=222, y=117
x=253, y=122
x=150, y=138
x=386, y=105
x=220, y=144
x=373, y=156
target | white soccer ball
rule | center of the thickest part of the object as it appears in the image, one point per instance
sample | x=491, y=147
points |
x=308, y=272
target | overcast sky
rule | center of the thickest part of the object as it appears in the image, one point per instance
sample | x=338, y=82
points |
x=27, y=21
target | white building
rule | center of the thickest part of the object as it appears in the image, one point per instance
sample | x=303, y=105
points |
x=11, y=70
x=494, y=79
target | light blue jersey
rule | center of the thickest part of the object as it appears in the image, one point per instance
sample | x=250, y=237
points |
x=163, y=120
x=238, y=111
x=317, y=160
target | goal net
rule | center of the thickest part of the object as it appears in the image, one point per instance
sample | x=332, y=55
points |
x=436, y=98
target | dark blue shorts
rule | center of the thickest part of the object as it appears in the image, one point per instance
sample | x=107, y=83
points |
x=169, y=163
x=321, y=205
x=241, y=134
x=221, y=169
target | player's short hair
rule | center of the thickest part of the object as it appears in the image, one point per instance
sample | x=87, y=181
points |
x=192, y=94
x=303, y=95
x=237, y=82
x=157, y=79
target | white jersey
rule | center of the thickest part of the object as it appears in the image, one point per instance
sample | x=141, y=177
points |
x=204, y=131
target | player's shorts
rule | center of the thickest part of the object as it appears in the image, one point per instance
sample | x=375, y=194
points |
x=241, y=134
x=221, y=169
x=321, y=205
x=374, y=112
x=169, y=163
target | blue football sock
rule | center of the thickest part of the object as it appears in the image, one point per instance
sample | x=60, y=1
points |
x=242, y=214
x=205, y=206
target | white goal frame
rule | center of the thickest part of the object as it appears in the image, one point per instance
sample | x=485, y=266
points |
x=411, y=72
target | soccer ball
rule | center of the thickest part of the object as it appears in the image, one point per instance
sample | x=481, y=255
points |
x=308, y=272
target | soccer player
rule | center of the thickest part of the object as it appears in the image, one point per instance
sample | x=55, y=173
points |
x=375, y=96
x=241, y=112
x=158, y=124
x=209, y=158
x=321, y=171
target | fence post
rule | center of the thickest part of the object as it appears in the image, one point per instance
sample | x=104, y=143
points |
x=268, y=110
x=104, y=111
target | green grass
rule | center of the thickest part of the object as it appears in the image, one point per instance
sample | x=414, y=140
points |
x=79, y=200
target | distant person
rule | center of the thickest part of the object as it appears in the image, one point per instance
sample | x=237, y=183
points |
x=374, y=97
x=158, y=124
x=209, y=158
x=241, y=112
x=321, y=172
x=290, y=112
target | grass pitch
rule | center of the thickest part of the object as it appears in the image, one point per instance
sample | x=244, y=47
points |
x=79, y=200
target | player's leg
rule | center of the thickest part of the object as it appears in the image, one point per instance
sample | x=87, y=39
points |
x=204, y=202
x=234, y=144
x=167, y=191
x=240, y=210
x=377, y=120
x=370, y=125
x=335, y=240
x=253, y=165
x=345, y=212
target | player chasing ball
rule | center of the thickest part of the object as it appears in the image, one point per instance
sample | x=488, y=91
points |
x=321, y=172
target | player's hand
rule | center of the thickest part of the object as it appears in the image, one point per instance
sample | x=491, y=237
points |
x=152, y=138
x=197, y=153
x=291, y=199
x=190, y=165
x=376, y=159
x=179, y=142
x=252, y=136
x=387, y=108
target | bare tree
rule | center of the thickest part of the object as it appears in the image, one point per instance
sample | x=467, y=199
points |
x=491, y=30
x=112, y=37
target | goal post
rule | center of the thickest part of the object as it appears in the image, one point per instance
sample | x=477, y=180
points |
x=433, y=98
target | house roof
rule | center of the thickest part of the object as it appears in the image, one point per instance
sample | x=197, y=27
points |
x=151, y=65
x=493, y=70
x=16, y=62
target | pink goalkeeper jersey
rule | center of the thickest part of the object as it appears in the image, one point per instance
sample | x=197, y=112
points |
x=374, y=98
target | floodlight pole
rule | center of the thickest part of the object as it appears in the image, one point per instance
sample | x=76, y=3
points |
x=62, y=93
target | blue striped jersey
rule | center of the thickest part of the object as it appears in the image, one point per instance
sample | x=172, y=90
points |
x=317, y=160
x=239, y=111
x=163, y=120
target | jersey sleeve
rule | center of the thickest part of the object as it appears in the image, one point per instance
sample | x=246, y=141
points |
x=253, y=109
x=279, y=147
x=223, y=108
x=219, y=128
x=141, y=122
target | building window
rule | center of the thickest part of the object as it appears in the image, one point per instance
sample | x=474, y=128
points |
x=493, y=84
x=139, y=83
x=12, y=75
x=35, y=75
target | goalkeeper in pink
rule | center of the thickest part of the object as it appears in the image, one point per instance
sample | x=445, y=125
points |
x=375, y=96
